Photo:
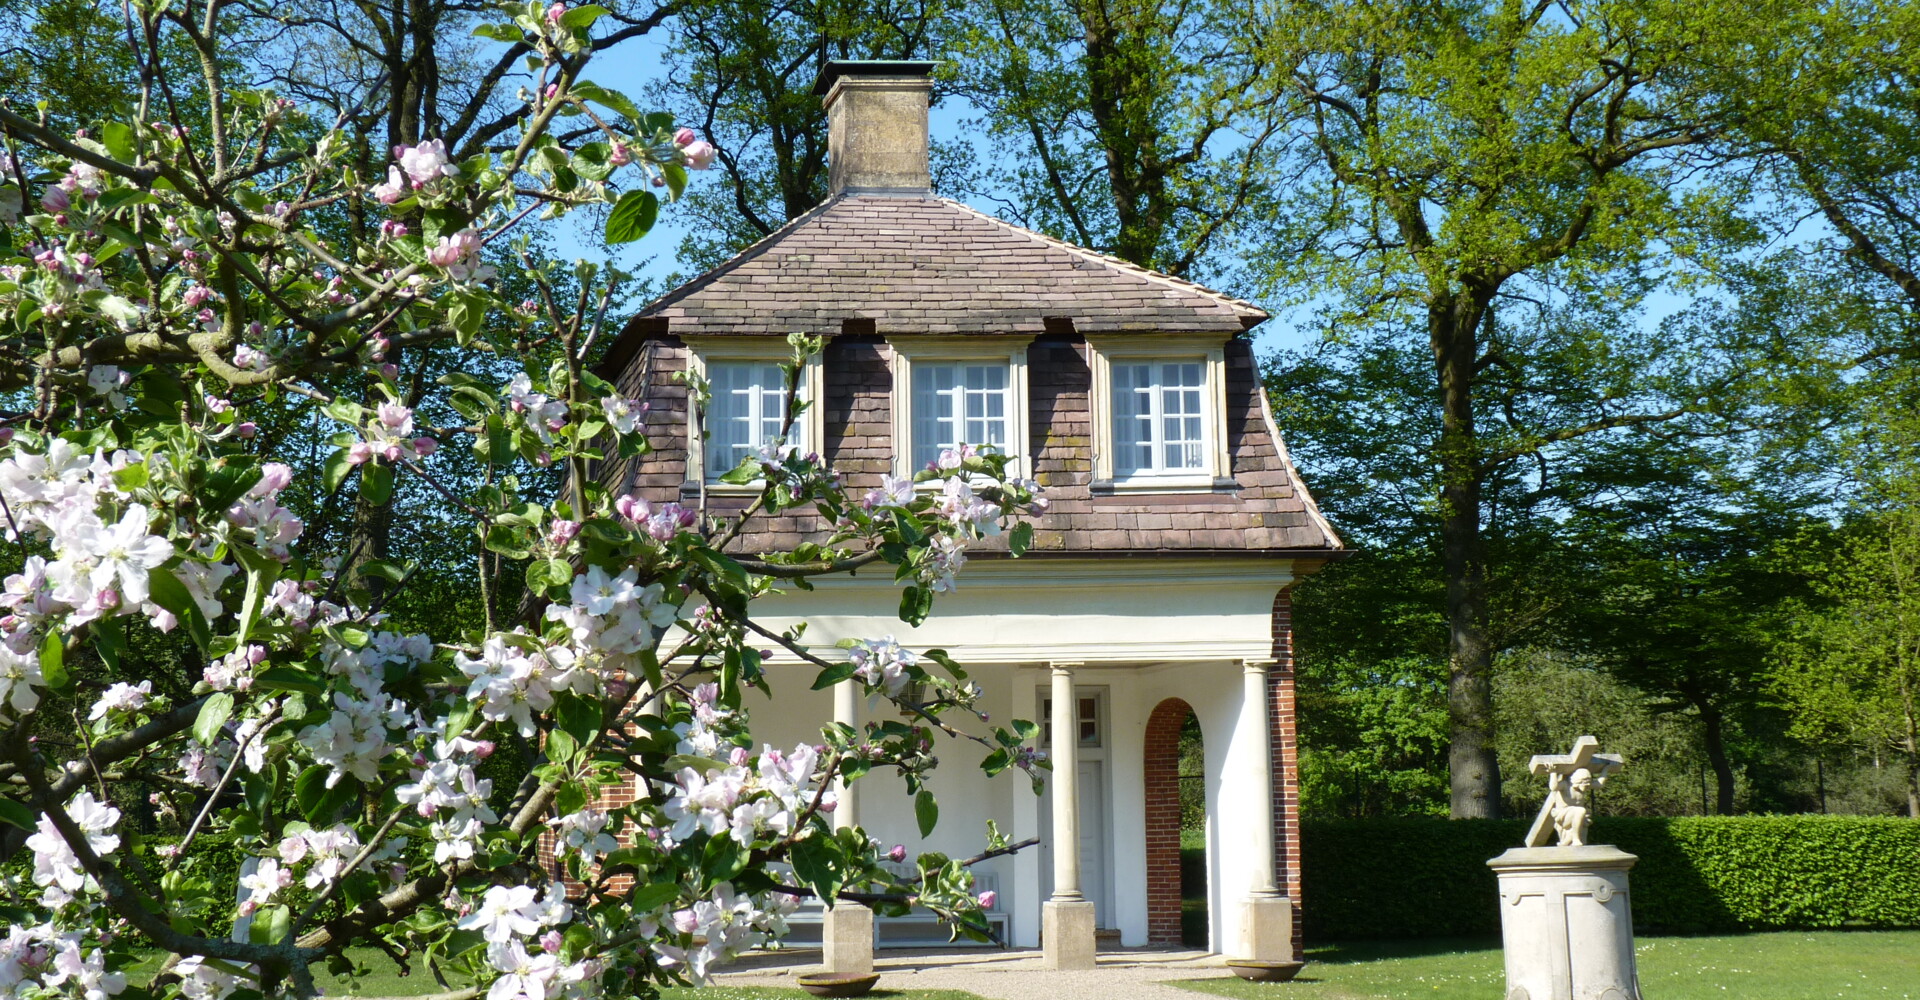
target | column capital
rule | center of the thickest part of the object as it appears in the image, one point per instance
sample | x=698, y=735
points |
x=1258, y=666
x=1064, y=666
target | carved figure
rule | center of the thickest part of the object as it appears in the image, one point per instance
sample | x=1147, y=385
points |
x=1571, y=779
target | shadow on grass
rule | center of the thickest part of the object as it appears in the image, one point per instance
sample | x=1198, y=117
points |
x=1350, y=952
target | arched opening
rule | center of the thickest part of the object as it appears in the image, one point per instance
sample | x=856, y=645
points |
x=1175, y=827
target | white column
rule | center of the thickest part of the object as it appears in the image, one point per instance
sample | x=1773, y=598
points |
x=846, y=930
x=1266, y=917
x=1067, y=919
x=846, y=712
x=1259, y=776
x=1065, y=754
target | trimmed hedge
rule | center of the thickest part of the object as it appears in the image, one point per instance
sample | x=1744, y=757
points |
x=1402, y=878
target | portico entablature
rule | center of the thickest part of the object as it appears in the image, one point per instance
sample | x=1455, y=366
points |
x=1105, y=612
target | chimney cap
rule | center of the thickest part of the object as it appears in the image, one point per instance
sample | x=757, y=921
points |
x=837, y=68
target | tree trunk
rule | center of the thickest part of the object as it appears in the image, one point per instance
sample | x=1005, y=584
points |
x=1713, y=734
x=1473, y=769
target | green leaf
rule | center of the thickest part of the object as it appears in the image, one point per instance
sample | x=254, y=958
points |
x=632, y=216
x=344, y=410
x=335, y=471
x=916, y=603
x=592, y=161
x=561, y=747
x=829, y=676
x=577, y=716
x=376, y=483
x=509, y=541
x=285, y=678
x=813, y=862
x=109, y=642
x=53, y=661
x=648, y=898
x=118, y=138
x=614, y=99
x=385, y=569
x=926, y=812
x=14, y=814
x=214, y=713
x=582, y=16
x=1020, y=538
x=508, y=33
x=235, y=476
x=676, y=176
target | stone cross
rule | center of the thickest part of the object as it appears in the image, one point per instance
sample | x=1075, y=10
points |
x=1569, y=778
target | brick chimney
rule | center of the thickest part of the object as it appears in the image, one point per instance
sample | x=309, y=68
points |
x=876, y=124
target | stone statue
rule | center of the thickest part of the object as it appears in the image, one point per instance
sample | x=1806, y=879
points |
x=1571, y=779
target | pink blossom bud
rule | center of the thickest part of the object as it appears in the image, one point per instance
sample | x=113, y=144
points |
x=988, y=898
x=246, y=428
x=389, y=371
x=897, y=853
x=685, y=137
x=563, y=531
x=419, y=759
x=359, y=453
x=684, y=921
x=617, y=689
x=256, y=654
x=6, y=435
x=424, y=446
x=619, y=157
x=397, y=872
x=391, y=452
x=483, y=749
x=55, y=200
x=699, y=155
x=555, y=13
x=738, y=758
x=550, y=941
x=553, y=91
x=107, y=598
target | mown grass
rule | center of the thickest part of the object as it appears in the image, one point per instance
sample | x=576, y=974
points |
x=1786, y=965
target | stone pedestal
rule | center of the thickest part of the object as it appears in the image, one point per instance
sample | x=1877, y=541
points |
x=1066, y=934
x=1566, y=923
x=1266, y=930
x=846, y=939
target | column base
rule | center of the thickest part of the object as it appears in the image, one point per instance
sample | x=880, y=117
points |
x=846, y=939
x=1266, y=929
x=1066, y=934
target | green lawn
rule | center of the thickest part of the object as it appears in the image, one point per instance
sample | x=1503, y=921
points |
x=1791, y=965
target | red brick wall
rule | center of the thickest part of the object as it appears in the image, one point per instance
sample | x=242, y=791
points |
x=1286, y=761
x=1163, y=820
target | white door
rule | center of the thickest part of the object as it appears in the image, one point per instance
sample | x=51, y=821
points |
x=1094, y=876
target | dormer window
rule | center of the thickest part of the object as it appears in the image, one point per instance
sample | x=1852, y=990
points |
x=745, y=413
x=1159, y=414
x=950, y=391
x=1159, y=418
x=957, y=403
x=747, y=405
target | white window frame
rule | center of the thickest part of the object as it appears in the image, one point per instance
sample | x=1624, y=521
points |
x=1211, y=351
x=812, y=422
x=961, y=350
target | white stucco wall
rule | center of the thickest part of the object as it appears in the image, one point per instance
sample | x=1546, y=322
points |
x=1144, y=630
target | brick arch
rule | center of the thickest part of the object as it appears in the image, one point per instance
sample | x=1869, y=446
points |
x=1163, y=820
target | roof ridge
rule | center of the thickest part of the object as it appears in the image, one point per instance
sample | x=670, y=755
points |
x=1117, y=263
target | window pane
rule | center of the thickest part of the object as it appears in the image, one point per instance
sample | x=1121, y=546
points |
x=745, y=412
x=956, y=404
x=1158, y=417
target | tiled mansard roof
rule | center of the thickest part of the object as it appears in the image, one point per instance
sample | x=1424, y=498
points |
x=864, y=268
x=913, y=263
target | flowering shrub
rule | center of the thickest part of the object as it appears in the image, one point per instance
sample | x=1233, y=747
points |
x=171, y=292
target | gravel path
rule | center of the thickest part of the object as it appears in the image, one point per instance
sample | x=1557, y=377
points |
x=1002, y=975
